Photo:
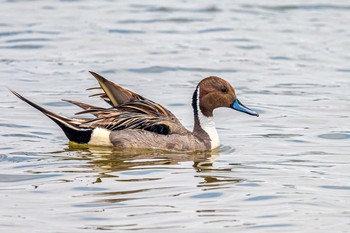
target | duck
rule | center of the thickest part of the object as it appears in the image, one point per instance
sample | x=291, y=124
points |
x=135, y=122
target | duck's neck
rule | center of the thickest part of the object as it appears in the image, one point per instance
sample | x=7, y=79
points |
x=204, y=126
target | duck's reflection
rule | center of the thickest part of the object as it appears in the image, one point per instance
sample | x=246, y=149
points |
x=145, y=174
x=107, y=159
x=110, y=162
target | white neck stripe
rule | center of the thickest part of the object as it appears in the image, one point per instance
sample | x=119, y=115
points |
x=208, y=125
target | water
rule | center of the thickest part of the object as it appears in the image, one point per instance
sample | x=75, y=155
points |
x=287, y=170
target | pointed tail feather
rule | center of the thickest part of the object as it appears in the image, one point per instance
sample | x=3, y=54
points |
x=69, y=126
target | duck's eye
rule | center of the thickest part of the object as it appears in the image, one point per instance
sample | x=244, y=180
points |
x=223, y=90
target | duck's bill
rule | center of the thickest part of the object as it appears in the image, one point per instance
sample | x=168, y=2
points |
x=237, y=105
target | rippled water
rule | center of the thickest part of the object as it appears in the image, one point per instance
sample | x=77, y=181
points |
x=287, y=171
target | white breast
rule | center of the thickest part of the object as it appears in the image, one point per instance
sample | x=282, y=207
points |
x=208, y=125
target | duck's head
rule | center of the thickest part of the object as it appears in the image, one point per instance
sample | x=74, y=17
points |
x=214, y=92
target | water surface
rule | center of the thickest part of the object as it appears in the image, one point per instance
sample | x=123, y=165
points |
x=286, y=171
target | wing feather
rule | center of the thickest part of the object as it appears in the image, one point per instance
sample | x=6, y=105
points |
x=118, y=96
x=129, y=111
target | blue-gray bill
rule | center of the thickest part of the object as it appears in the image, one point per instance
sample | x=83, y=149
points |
x=237, y=105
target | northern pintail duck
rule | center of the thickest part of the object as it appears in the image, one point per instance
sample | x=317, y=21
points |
x=136, y=122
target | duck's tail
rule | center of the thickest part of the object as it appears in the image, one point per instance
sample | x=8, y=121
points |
x=70, y=126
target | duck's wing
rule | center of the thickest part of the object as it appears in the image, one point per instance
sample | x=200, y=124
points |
x=147, y=107
x=142, y=114
x=120, y=97
x=121, y=121
x=129, y=111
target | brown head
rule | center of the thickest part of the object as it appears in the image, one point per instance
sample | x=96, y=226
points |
x=214, y=92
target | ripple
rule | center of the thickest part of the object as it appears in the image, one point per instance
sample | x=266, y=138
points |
x=110, y=71
x=209, y=30
x=249, y=184
x=343, y=70
x=280, y=135
x=261, y=198
x=125, y=31
x=227, y=150
x=2, y=156
x=167, y=20
x=5, y=178
x=89, y=189
x=305, y=7
x=335, y=187
x=20, y=135
x=168, y=31
x=166, y=9
x=272, y=225
x=13, y=125
x=27, y=40
x=297, y=140
x=178, y=105
x=302, y=85
x=24, y=46
x=335, y=136
x=14, y=33
x=57, y=104
x=141, y=172
x=94, y=218
x=208, y=195
x=249, y=47
x=41, y=133
x=163, y=69
x=280, y=58
x=234, y=39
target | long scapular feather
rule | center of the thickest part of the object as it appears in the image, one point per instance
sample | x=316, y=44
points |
x=116, y=94
x=88, y=108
